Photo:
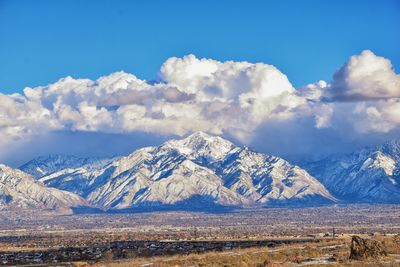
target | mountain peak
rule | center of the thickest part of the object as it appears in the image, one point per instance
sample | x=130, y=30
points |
x=201, y=144
x=204, y=138
x=201, y=134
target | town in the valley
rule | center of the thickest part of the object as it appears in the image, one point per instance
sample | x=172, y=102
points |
x=181, y=237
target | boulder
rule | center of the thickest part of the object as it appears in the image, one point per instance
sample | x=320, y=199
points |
x=366, y=248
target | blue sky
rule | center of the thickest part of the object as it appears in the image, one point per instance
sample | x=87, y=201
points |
x=352, y=45
x=42, y=41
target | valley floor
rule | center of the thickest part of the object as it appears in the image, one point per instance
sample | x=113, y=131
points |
x=109, y=239
x=322, y=252
x=325, y=253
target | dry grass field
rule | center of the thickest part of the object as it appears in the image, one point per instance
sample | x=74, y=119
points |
x=327, y=253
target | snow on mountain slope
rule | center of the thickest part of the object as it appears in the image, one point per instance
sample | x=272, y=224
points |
x=65, y=172
x=369, y=175
x=42, y=166
x=202, y=147
x=20, y=190
x=201, y=167
x=259, y=177
x=157, y=176
x=267, y=178
x=69, y=179
x=174, y=184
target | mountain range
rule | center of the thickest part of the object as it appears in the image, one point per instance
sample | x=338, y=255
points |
x=201, y=172
x=370, y=175
x=19, y=190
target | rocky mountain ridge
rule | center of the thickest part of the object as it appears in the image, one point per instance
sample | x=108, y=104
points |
x=199, y=170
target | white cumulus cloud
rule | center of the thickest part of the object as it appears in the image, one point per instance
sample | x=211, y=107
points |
x=365, y=77
x=193, y=94
x=238, y=99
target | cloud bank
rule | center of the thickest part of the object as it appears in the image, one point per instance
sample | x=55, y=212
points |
x=238, y=99
x=365, y=77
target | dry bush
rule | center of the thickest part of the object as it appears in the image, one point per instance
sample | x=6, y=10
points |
x=392, y=244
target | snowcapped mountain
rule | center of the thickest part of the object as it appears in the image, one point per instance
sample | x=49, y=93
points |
x=202, y=170
x=41, y=166
x=21, y=190
x=369, y=175
x=198, y=170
